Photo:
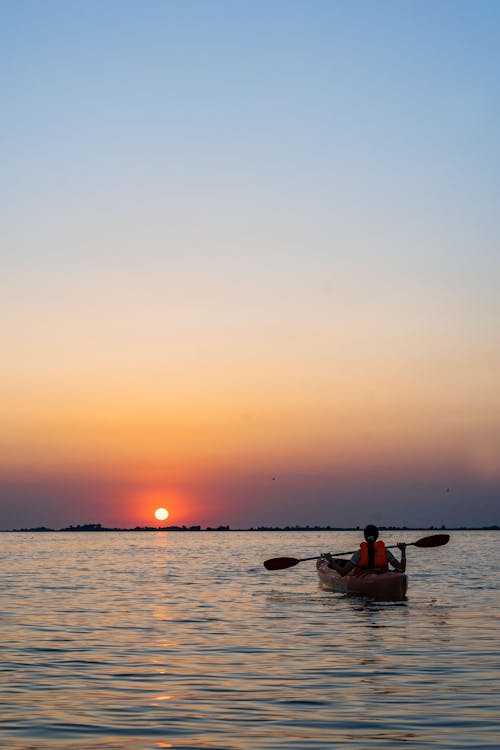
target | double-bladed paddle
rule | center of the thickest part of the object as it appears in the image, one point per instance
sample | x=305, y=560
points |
x=279, y=563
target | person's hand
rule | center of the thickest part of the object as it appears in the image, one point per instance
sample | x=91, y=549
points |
x=402, y=547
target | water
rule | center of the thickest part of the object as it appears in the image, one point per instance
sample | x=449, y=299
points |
x=183, y=640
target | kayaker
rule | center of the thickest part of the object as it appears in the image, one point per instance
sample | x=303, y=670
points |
x=371, y=555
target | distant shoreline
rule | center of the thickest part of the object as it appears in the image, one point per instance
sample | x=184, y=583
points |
x=98, y=528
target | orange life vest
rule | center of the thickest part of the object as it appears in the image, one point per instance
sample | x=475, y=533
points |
x=380, y=556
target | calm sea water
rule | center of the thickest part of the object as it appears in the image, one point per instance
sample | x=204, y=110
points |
x=184, y=640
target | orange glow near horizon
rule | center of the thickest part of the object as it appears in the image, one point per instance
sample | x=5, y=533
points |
x=195, y=446
x=140, y=501
x=311, y=436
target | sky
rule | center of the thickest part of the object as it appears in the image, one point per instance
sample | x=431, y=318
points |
x=250, y=262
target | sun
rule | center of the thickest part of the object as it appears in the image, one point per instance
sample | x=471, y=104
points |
x=161, y=514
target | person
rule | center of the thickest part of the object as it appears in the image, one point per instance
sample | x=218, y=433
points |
x=371, y=555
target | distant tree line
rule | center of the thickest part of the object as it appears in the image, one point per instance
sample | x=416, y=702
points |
x=222, y=527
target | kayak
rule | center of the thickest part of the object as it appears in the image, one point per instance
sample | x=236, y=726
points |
x=379, y=585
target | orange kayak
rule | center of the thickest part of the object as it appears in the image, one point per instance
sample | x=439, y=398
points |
x=380, y=586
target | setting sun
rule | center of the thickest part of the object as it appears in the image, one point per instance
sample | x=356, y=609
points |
x=161, y=514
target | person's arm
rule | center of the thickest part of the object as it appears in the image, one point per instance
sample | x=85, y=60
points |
x=400, y=566
x=344, y=569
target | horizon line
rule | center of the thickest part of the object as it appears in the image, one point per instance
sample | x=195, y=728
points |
x=196, y=528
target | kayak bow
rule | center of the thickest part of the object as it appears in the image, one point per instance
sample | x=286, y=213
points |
x=380, y=586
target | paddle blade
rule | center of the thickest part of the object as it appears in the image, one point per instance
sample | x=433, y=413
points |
x=436, y=540
x=278, y=563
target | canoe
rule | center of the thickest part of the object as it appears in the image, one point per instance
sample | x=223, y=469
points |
x=378, y=585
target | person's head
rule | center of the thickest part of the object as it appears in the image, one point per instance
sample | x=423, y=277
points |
x=371, y=533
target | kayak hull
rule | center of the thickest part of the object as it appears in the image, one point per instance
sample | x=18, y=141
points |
x=380, y=586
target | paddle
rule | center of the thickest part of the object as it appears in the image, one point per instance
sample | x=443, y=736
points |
x=279, y=563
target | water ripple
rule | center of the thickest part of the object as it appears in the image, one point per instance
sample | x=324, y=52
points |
x=108, y=643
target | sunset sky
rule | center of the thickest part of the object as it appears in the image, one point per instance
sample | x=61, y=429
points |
x=250, y=262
